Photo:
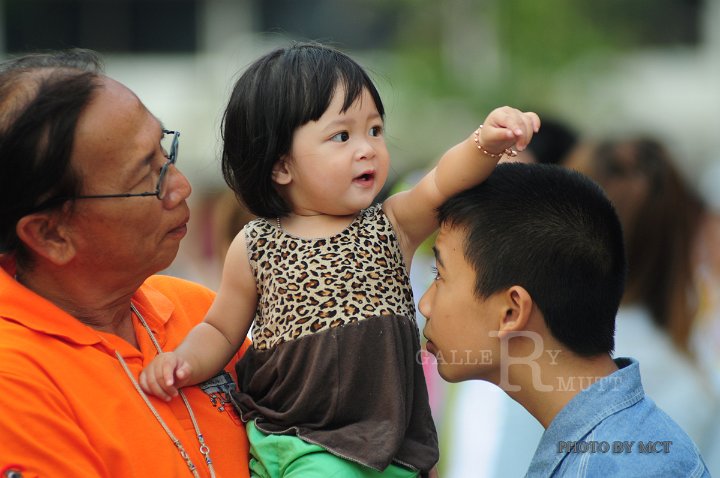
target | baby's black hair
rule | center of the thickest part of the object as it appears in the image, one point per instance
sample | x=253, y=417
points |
x=278, y=93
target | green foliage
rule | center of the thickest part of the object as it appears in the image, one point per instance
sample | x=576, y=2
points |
x=537, y=40
x=546, y=35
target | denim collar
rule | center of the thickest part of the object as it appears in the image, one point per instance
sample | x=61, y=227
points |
x=585, y=411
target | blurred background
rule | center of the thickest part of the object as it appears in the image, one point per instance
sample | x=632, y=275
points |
x=605, y=68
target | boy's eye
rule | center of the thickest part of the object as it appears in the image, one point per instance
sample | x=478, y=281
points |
x=341, y=137
x=376, y=131
x=435, y=273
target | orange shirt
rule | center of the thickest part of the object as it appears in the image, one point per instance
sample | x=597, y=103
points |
x=67, y=407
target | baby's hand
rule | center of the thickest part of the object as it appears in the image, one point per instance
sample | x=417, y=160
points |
x=506, y=128
x=166, y=374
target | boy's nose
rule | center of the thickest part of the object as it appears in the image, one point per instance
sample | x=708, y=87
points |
x=424, y=304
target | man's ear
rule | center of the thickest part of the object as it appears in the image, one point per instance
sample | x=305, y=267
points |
x=45, y=234
x=280, y=173
x=518, y=306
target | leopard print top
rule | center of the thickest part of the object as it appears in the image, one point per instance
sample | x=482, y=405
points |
x=309, y=285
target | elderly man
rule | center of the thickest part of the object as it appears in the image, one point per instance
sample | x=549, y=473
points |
x=91, y=207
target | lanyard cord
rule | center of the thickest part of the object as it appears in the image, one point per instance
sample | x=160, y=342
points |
x=204, y=449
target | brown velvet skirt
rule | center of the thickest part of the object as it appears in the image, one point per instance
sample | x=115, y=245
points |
x=358, y=390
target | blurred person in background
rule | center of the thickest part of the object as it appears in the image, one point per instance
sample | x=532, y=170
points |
x=551, y=145
x=229, y=216
x=670, y=314
x=92, y=206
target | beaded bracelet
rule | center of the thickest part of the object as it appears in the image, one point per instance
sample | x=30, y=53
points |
x=510, y=152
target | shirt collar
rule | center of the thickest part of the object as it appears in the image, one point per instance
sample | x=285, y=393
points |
x=155, y=308
x=20, y=304
x=585, y=411
x=23, y=306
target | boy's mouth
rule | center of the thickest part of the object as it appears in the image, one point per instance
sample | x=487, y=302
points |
x=430, y=347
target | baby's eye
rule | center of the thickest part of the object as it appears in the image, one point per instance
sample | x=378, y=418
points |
x=435, y=273
x=376, y=131
x=341, y=137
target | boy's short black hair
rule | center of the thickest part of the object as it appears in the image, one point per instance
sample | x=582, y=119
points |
x=553, y=232
x=278, y=93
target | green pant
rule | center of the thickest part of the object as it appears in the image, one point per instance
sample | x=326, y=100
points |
x=287, y=456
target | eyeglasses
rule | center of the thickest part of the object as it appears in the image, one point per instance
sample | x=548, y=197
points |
x=161, y=188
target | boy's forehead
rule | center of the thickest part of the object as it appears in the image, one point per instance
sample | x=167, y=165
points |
x=449, y=244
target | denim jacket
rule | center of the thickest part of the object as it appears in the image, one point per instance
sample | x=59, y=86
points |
x=611, y=429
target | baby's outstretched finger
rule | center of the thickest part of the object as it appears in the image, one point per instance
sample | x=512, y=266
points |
x=530, y=125
x=535, y=119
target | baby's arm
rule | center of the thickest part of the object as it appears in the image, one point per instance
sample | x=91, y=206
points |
x=464, y=165
x=210, y=344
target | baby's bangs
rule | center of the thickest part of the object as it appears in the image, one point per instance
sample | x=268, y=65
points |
x=354, y=80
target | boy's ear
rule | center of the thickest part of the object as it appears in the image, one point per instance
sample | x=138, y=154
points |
x=46, y=235
x=280, y=173
x=518, y=307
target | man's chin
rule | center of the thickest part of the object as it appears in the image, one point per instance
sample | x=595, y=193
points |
x=451, y=376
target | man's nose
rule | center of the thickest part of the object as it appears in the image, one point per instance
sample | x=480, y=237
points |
x=178, y=186
x=424, y=303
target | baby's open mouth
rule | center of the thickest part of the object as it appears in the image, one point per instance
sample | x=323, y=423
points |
x=365, y=177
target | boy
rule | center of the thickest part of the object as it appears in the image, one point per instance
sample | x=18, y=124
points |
x=530, y=273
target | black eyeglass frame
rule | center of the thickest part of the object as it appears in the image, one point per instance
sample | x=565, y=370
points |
x=158, y=193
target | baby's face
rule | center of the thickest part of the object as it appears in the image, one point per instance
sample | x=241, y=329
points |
x=338, y=164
